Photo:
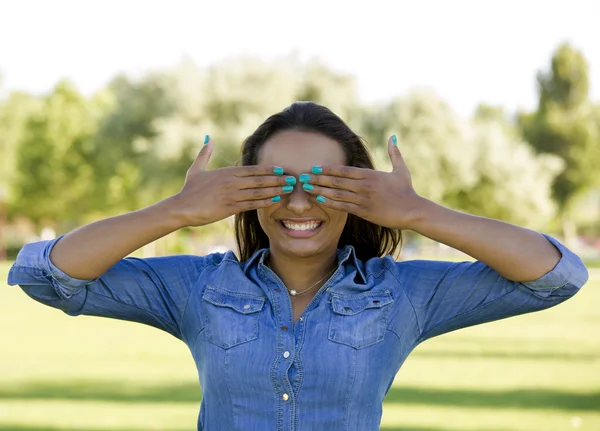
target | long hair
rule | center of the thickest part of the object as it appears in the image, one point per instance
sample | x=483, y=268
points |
x=369, y=240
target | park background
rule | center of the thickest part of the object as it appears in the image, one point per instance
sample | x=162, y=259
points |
x=104, y=105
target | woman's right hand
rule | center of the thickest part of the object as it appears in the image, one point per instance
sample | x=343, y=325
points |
x=210, y=196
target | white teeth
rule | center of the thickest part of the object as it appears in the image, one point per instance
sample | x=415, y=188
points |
x=301, y=226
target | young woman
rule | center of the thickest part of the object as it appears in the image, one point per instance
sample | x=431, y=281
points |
x=307, y=329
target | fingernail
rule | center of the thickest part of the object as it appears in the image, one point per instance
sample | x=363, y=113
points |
x=304, y=178
x=308, y=187
x=321, y=199
x=276, y=198
x=317, y=170
x=278, y=171
x=394, y=140
x=290, y=180
x=206, y=139
x=287, y=189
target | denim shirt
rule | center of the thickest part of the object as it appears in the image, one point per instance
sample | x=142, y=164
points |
x=328, y=371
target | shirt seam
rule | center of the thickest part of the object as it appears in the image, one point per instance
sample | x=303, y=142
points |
x=187, y=300
x=407, y=297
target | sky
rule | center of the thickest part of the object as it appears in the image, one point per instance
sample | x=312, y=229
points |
x=467, y=51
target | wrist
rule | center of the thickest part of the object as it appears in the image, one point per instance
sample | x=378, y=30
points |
x=418, y=212
x=173, y=212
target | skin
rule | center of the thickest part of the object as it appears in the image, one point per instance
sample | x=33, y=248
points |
x=300, y=262
x=384, y=198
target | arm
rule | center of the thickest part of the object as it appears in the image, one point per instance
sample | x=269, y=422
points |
x=88, y=252
x=85, y=272
x=516, y=253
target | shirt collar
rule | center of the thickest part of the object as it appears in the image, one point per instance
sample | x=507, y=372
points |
x=344, y=255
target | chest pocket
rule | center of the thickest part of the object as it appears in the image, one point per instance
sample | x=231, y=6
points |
x=360, y=320
x=230, y=318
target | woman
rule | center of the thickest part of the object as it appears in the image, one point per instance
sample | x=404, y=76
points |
x=307, y=330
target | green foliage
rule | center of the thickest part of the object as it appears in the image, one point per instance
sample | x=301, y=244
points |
x=567, y=125
x=478, y=166
x=68, y=159
x=54, y=170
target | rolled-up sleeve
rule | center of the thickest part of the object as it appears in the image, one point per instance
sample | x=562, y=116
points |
x=447, y=296
x=152, y=291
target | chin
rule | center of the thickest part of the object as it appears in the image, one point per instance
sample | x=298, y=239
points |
x=302, y=250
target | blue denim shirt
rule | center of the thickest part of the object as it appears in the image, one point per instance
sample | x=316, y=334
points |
x=328, y=371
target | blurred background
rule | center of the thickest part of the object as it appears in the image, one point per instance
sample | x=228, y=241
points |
x=104, y=105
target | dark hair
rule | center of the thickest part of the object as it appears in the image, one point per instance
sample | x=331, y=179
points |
x=369, y=240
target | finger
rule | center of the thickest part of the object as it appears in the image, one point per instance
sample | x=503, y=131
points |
x=203, y=155
x=335, y=194
x=260, y=181
x=262, y=193
x=255, y=204
x=333, y=182
x=348, y=207
x=341, y=171
x=395, y=155
x=254, y=170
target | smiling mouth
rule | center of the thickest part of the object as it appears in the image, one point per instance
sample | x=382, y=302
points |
x=299, y=227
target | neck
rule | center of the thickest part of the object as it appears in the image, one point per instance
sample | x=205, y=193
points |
x=300, y=273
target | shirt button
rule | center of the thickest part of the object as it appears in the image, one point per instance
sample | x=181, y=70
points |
x=246, y=307
x=285, y=397
x=284, y=328
x=286, y=354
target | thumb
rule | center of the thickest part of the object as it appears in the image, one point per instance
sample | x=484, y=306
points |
x=395, y=155
x=203, y=156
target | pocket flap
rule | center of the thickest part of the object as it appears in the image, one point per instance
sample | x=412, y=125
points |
x=350, y=305
x=240, y=303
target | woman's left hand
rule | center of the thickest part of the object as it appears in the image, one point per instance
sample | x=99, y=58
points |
x=384, y=198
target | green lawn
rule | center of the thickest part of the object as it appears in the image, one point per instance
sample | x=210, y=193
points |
x=539, y=372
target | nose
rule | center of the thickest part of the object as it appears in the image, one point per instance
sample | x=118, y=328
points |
x=298, y=201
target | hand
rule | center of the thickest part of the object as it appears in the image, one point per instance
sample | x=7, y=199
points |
x=209, y=196
x=384, y=198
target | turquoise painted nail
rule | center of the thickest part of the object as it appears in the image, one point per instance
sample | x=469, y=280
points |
x=276, y=198
x=290, y=180
x=317, y=170
x=308, y=187
x=321, y=199
x=304, y=178
x=287, y=189
x=394, y=140
x=278, y=171
x=206, y=139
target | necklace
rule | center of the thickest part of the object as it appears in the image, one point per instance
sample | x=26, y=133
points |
x=294, y=292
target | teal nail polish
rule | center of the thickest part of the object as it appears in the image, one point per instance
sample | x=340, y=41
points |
x=321, y=199
x=394, y=140
x=304, y=178
x=276, y=198
x=278, y=171
x=308, y=187
x=287, y=189
x=206, y=139
x=290, y=180
x=317, y=170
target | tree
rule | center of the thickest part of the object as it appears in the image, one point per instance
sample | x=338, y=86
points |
x=477, y=165
x=54, y=173
x=14, y=112
x=565, y=124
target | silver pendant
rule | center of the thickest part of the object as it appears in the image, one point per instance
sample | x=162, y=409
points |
x=293, y=292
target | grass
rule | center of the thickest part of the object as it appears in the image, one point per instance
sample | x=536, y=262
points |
x=538, y=372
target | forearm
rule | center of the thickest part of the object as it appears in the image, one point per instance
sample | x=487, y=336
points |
x=516, y=253
x=89, y=251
